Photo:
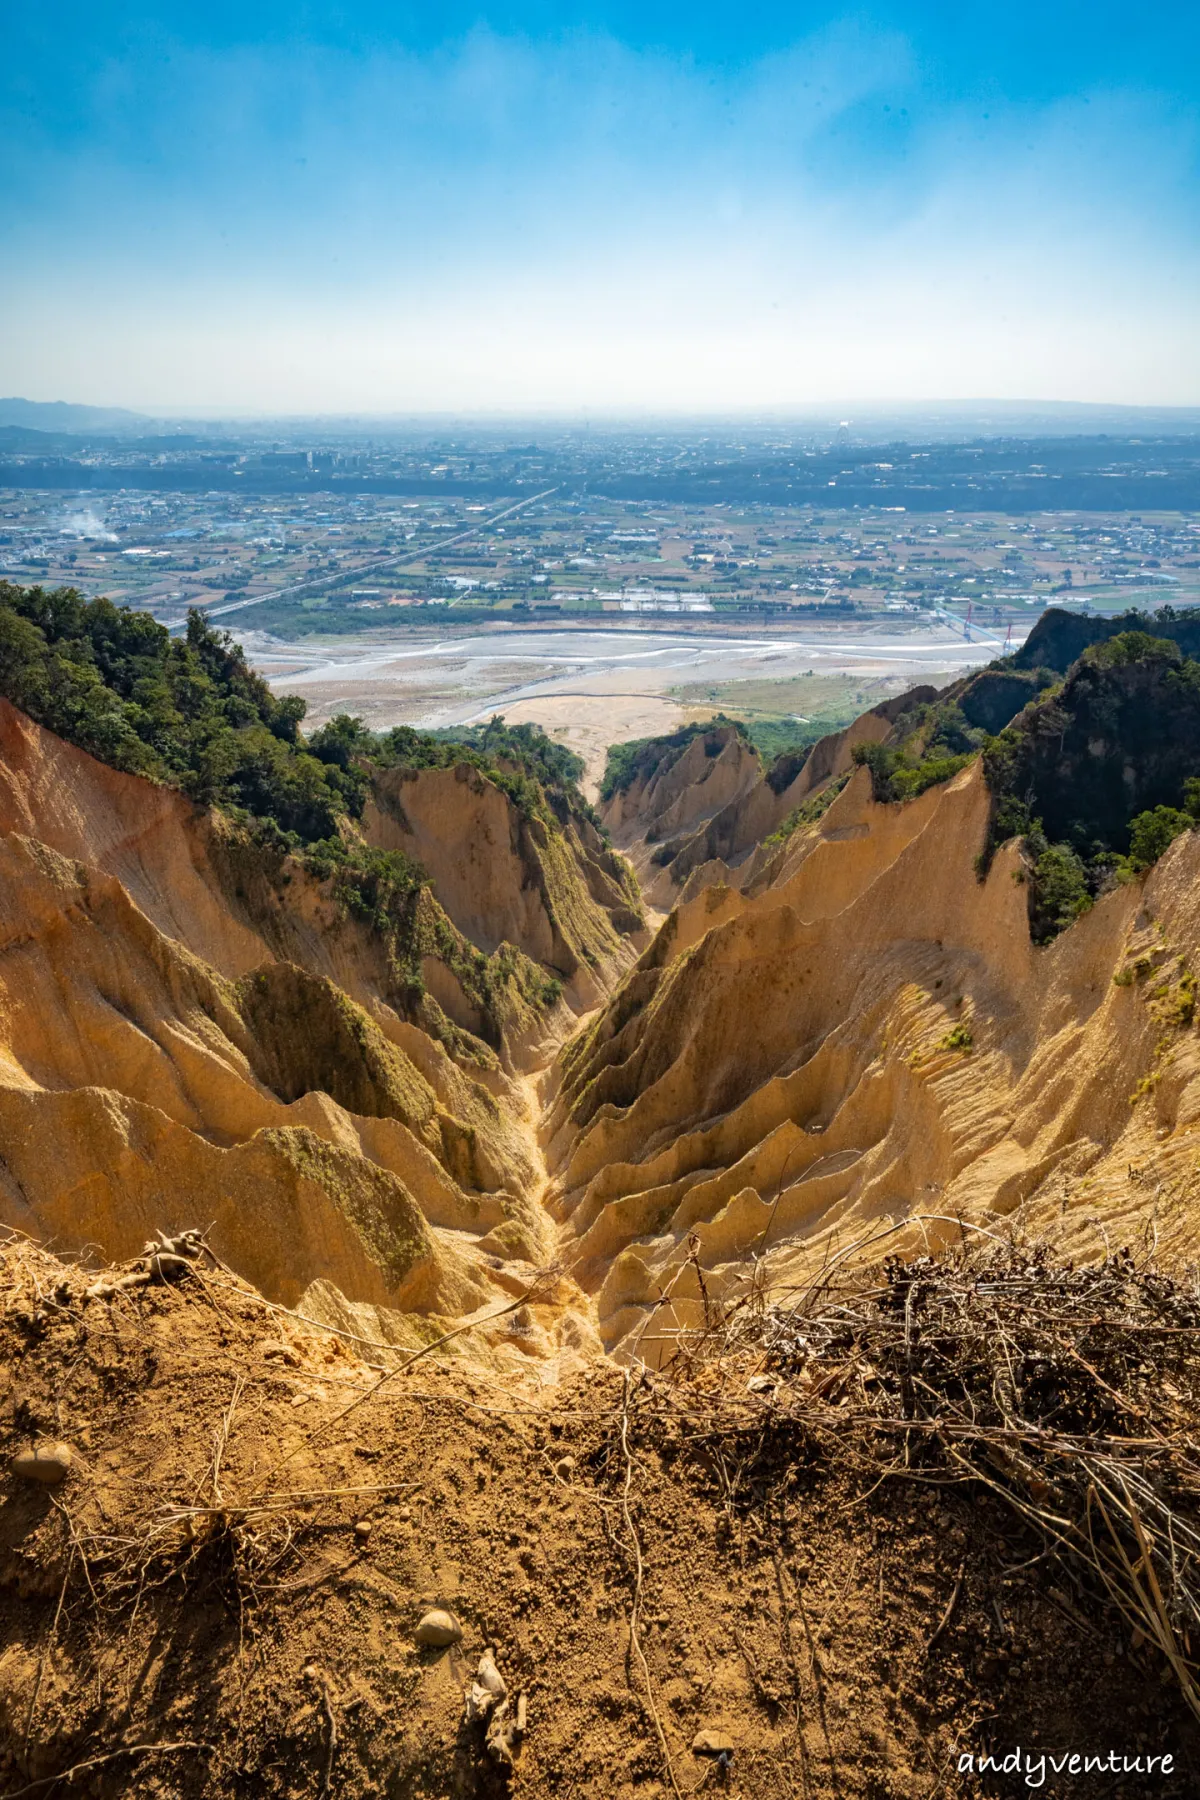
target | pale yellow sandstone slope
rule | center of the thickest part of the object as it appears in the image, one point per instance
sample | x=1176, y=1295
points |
x=715, y=771
x=562, y=897
x=697, y=821
x=869, y=1037
x=186, y=1039
x=858, y=1031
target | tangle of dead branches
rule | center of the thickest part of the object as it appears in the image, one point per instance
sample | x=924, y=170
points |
x=1071, y=1393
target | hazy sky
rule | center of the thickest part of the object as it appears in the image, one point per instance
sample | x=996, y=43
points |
x=296, y=208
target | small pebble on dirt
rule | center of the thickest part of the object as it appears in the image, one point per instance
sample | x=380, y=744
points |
x=437, y=1629
x=712, y=1741
x=565, y=1467
x=362, y=1528
x=46, y=1464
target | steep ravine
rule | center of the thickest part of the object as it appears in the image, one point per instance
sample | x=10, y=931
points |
x=888, y=1516
x=853, y=1031
x=192, y=1033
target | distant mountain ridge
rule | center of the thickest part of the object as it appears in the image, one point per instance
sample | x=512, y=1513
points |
x=65, y=415
x=868, y=421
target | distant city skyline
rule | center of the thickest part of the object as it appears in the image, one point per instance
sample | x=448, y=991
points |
x=525, y=210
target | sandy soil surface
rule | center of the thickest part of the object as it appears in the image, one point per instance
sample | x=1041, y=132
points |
x=697, y=1586
x=589, y=723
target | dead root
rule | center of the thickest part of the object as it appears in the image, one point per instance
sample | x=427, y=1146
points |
x=128, y=1752
x=168, y=1259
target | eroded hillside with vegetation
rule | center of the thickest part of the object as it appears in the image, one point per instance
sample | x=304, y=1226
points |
x=619, y=1290
x=233, y=987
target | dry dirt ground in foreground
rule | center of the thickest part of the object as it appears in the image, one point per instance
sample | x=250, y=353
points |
x=220, y=1599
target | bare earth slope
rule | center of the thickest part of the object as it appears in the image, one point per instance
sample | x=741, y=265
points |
x=869, y=1035
x=562, y=898
x=707, y=830
x=676, y=798
x=222, y=1599
x=191, y=1030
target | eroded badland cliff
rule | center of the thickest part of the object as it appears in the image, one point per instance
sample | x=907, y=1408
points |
x=730, y=1254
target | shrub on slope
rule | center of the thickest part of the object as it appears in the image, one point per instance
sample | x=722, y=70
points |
x=1100, y=775
x=191, y=711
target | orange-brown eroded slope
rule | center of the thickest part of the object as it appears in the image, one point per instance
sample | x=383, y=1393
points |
x=707, y=813
x=563, y=898
x=866, y=1036
x=185, y=1039
x=678, y=799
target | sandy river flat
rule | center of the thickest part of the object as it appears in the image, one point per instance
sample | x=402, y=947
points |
x=589, y=687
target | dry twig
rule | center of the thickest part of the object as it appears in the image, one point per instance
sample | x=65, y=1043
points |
x=97, y=1762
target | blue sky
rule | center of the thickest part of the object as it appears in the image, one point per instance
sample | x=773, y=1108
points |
x=619, y=206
